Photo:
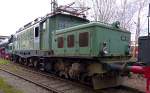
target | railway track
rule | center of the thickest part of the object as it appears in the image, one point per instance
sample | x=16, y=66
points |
x=55, y=84
x=50, y=83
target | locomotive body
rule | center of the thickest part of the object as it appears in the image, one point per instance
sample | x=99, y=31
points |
x=90, y=39
x=73, y=48
x=66, y=38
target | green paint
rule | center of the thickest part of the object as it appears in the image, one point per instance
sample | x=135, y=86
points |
x=98, y=34
x=44, y=36
x=56, y=22
x=26, y=38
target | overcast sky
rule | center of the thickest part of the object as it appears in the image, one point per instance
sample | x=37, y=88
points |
x=16, y=13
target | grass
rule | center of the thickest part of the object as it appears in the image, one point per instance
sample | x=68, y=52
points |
x=6, y=88
x=3, y=62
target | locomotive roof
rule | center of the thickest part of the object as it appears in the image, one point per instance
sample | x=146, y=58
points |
x=49, y=16
x=90, y=25
x=69, y=15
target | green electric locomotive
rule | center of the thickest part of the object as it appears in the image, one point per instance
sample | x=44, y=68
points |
x=74, y=48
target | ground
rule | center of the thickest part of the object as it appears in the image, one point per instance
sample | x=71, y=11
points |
x=135, y=81
x=17, y=83
x=6, y=88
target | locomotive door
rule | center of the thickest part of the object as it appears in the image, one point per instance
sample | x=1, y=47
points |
x=83, y=43
x=60, y=45
x=36, y=38
x=44, y=36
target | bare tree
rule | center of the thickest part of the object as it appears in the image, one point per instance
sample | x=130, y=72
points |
x=128, y=10
x=108, y=11
x=141, y=4
x=103, y=10
x=82, y=4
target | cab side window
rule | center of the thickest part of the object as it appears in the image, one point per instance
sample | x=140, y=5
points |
x=37, y=32
x=60, y=42
x=83, y=39
x=70, y=41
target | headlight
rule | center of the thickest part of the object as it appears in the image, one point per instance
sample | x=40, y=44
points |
x=104, y=50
